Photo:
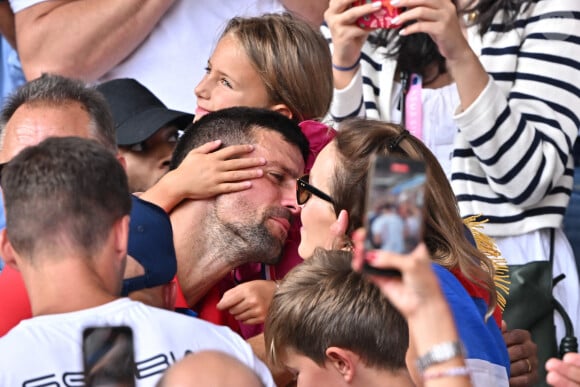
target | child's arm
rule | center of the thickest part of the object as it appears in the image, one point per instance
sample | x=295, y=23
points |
x=249, y=302
x=204, y=174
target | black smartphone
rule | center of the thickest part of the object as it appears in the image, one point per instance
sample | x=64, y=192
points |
x=394, y=207
x=108, y=357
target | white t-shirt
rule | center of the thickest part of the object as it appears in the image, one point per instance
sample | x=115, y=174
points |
x=47, y=350
x=172, y=59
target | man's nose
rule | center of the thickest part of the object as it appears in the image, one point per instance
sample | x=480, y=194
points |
x=289, y=201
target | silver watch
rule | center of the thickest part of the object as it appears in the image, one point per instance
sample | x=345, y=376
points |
x=440, y=353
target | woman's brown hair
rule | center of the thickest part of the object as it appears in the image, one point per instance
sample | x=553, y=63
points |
x=444, y=233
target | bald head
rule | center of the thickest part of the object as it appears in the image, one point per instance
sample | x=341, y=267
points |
x=30, y=124
x=209, y=369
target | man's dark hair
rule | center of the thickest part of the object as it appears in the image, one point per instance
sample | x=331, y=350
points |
x=56, y=90
x=64, y=191
x=235, y=126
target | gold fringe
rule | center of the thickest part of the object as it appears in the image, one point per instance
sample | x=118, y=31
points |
x=486, y=245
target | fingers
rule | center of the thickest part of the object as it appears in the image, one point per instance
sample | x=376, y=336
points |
x=224, y=188
x=207, y=147
x=229, y=299
x=234, y=151
x=522, y=372
x=403, y=263
x=244, y=163
x=250, y=316
x=525, y=380
x=523, y=357
x=573, y=359
x=564, y=373
x=516, y=337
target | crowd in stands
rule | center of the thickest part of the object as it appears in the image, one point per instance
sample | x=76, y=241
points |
x=185, y=188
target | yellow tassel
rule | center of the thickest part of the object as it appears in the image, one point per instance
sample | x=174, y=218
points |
x=486, y=245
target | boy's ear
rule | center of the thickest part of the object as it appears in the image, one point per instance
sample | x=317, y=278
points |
x=7, y=251
x=282, y=109
x=343, y=360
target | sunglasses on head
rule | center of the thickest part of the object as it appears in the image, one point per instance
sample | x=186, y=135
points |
x=304, y=191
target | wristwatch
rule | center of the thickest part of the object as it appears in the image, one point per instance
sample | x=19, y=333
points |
x=440, y=353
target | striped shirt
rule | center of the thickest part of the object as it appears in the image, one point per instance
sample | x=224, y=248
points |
x=512, y=158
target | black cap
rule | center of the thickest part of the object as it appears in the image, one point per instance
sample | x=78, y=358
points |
x=137, y=112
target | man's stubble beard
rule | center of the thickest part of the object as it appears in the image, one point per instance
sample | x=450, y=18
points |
x=240, y=242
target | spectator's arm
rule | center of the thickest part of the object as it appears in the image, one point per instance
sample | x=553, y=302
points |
x=83, y=39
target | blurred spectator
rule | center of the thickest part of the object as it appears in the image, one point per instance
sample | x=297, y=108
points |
x=146, y=130
x=209, y=369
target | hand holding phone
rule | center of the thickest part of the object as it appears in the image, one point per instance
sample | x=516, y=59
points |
x=383, y=18
x=394, y=212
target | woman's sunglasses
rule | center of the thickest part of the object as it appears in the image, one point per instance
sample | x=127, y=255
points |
x=304, y=191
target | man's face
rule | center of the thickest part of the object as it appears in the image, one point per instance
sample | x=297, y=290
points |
x=148, y=161
x=256, y=221
x=30, y=124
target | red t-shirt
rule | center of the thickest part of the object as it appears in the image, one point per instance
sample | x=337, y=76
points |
x=14, y=302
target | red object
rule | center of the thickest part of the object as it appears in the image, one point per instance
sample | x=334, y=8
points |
x=383, y=18
x=14, y=302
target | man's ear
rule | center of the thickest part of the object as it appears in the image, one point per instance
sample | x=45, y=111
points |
x=121, y=234
x=7, y=251
x=343, y=361
x=282, y=109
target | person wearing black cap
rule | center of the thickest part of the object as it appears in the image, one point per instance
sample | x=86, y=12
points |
x=146, y=130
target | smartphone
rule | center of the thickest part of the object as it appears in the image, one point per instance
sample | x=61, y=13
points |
x=394, y=207
x=383, y=18
x=108, y=357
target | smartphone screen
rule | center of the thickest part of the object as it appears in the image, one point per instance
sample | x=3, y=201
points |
x=394, y=213
x=108, y=357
